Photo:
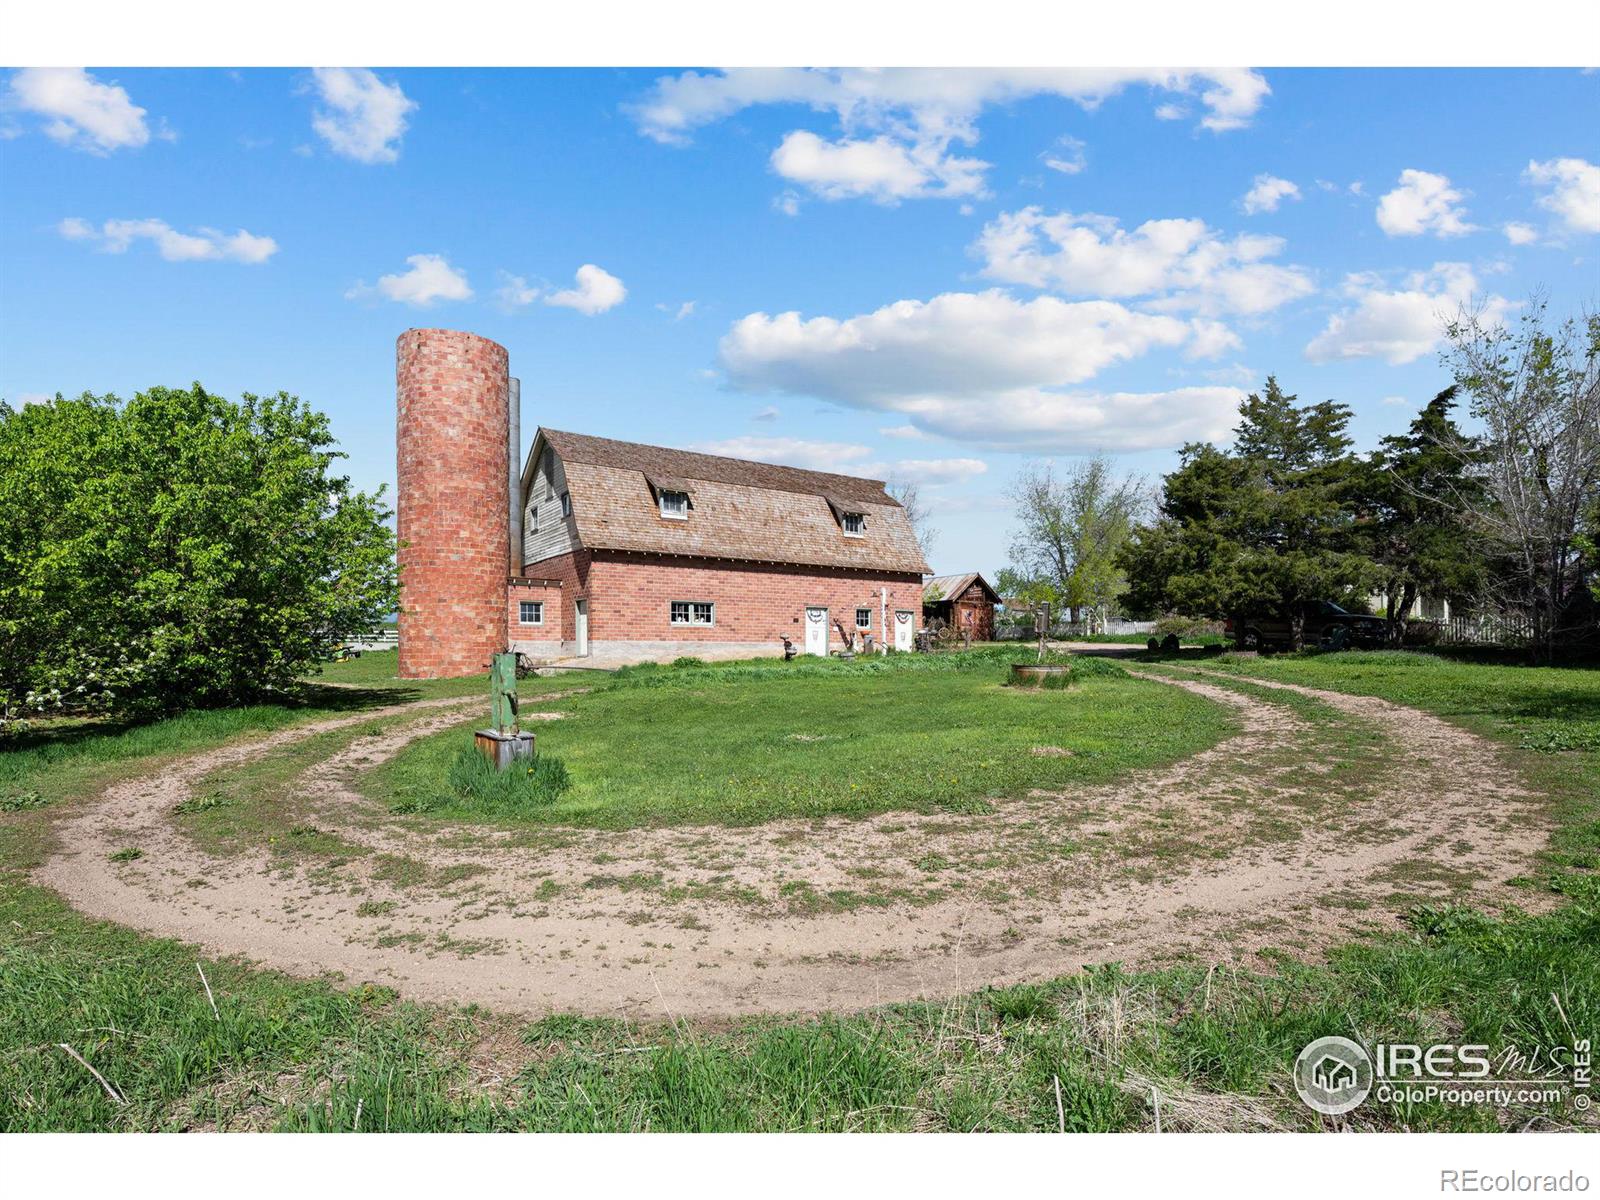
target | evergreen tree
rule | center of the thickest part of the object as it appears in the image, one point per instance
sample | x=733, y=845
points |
x=1267, y=526
x=1416, y=533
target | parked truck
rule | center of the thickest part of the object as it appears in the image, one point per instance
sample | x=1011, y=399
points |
x=1325, y=624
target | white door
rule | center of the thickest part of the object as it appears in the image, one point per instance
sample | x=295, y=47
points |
x=903, y=629
x=817, y=631
x=580, y=626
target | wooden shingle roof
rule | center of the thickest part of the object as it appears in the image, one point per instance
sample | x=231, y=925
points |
x=949, y=587
x=742, y=510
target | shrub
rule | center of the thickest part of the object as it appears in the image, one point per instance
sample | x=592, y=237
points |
x=235, y=551
x=1187, y=627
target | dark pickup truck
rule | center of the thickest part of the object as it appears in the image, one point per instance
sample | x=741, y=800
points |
x=1326, y=624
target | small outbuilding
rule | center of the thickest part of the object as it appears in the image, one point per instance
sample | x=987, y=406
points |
x=965, y=602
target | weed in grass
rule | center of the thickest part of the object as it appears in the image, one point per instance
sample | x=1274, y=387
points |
x=205, y=803
x=22, y=802
x=126, y=854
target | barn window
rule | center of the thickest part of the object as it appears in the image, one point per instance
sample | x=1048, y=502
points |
x=855, y=524
x=533, y=518
x=693, y=612
x=566, y=504
x=531, y=612
x=675, y=505
x=863, y=618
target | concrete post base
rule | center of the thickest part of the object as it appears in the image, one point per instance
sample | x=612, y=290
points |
x=502, y=749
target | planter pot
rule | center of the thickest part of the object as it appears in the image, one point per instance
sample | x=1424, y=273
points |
x=1040, y=674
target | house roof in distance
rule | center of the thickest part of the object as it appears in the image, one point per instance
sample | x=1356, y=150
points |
x=738, y=509
x=948, y=587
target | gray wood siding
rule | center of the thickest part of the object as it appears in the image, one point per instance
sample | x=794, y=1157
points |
x=555, y=535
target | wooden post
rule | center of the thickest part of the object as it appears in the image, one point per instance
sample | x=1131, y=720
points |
x=1042, y=620
x=504, y=743
x=503, y=693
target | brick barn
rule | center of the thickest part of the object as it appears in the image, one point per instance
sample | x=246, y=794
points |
x=964, y=601
x=617, y=551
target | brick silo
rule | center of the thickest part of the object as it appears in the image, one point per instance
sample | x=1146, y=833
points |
x=452, y=390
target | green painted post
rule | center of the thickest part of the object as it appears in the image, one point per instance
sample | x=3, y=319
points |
x=503, y=694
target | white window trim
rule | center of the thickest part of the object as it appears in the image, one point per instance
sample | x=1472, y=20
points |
x=661, y=506
x=868, y=625
x=566, y=504
x=522, y=610
x=533, y=518
x=691, y=623
x=844, y=524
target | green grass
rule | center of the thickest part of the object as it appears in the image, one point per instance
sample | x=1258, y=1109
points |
x=1217, y=1045
x=1547, y=717
x=747, y=743
x=291, y=1054
x=380, y=669
x=476, y=788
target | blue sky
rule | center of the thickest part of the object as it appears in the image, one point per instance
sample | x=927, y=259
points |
x=927, y=274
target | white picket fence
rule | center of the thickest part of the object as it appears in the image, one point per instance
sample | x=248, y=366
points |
x=377, y=639
x=1067, y=630
x=1484, y=629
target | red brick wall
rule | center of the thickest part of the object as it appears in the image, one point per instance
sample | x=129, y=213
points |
x=554, y=609
x=630, y=597
x=452, y=391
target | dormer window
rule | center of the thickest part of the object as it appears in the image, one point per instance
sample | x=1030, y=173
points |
x=854, y=524
x=675, y=505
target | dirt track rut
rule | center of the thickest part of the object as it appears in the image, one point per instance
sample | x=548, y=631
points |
x=710, y=921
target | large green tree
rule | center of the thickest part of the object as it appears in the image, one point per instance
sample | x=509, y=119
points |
x=177, y=549
x=1416, y=529
x=1070, y=529
x=1535, y=389
x=1268, y=525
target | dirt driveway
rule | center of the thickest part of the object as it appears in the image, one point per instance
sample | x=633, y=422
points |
x=1299, y=830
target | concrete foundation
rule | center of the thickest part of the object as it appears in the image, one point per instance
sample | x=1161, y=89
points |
x=503, y=749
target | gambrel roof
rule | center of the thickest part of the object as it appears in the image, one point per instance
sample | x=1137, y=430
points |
x=738, y=509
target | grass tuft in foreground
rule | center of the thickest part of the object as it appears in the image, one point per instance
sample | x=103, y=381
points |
x=480, y=789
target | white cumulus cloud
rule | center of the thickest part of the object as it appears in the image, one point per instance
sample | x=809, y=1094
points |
x=362, y=117
x=514, y=292
x=1519, y=233
x=934, y=471
x=597, y=291
x=78, y=109
x=1573, y=193
x=430, y=279
x=880, y=168
x=930, y=99
x=1423, y=203
x=1400, y=325
x=1066, y=155
x=114, y=237
x=843, y=458
x=1266, y=193
x=983, y=367
x=1178, y=263
x=899, y=124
